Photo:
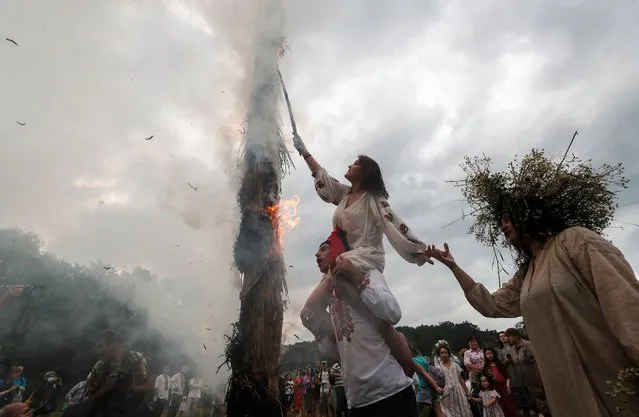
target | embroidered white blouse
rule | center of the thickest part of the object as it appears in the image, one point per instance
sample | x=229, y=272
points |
x=365, y=222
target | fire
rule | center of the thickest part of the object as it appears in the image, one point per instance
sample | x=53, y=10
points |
x=284, y=217
x=288, y=213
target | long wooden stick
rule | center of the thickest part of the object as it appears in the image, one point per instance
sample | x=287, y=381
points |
x=288, y=102
x=566, y=153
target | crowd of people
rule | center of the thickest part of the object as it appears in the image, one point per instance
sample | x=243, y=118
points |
x=499, y=381
x=574, y=289
x=315, y=391
x=120, y=384
x=576, y=292
x=42, y=398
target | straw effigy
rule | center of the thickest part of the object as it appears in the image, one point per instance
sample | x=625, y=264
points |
x=253, y=349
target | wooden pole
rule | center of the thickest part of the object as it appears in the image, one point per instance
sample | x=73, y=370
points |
x=253, y=351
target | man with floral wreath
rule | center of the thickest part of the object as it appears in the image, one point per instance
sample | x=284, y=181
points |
x=575, y=290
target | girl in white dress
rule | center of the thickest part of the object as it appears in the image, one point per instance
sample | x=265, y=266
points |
x=489, y=398
x=454, y=399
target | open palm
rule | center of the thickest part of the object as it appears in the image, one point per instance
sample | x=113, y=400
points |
x=443, y=256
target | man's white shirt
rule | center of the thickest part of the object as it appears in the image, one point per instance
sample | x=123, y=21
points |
x=162, y=387
x=369, y=371
x=178, y=384
x=195, y=388
x=325, y=381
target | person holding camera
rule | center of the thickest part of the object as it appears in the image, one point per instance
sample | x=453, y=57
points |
x=119, y=380
x=43, y=400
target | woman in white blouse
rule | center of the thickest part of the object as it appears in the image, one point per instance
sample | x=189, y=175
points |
x=362, y=217
x=363, y=213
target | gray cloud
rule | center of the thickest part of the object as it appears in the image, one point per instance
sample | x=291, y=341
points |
x=417, y=87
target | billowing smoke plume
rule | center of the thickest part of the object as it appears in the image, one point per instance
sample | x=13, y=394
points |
x=120, y=163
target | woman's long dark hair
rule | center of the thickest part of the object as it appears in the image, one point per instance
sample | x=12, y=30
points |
x=489, y=376
x=500, y=365
x=447, y=350
x=372, y=181
x=532, y=219
x=501, y=344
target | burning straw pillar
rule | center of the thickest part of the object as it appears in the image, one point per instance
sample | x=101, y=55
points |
x=253, y=351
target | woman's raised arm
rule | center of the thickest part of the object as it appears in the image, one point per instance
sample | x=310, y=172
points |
x=328, y=188
x=300, y=146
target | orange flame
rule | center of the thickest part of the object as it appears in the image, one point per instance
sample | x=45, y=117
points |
x=284, y=217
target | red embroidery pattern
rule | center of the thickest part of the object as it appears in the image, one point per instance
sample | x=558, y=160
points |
x=365, y=283
x=319, y=184
x=403, y=228
x=384, y=204
x=389, y=217
x=342, y=319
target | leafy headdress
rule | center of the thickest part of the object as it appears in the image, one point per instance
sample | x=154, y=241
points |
x=540, y=196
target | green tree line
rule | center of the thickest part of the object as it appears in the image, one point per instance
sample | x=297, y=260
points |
x=424, y=337
x=54, y=324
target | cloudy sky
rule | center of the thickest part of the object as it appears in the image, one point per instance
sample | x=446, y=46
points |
x=416, y=85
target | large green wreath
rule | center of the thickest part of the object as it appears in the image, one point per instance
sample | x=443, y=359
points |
x=541, y=196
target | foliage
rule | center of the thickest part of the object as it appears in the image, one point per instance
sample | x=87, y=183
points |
x=425, y=337
x=521, y=326
x=626, y=385
x=300, y=355
x=55, y=325
x=303, y=354
x=542, y=197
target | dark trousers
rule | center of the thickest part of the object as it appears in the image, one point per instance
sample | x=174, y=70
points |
x=174, y=406
x=158, y=406
x=476, y=408
x=341, y=407
x=402, y=404
x=425, y=410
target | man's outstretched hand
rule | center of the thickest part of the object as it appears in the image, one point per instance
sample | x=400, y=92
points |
x=443, y=256
x=424, y=257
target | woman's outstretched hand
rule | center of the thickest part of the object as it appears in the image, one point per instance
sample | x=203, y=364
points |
x=299, y=145
x=443, y=256
x=424, y=257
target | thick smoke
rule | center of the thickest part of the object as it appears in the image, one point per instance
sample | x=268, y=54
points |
x=82, y=175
